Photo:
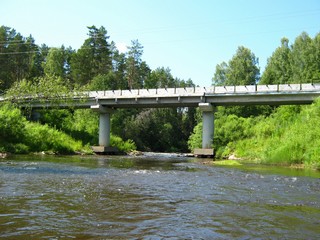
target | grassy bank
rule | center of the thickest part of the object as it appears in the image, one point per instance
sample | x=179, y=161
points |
x=290, y=136
x=20, y=136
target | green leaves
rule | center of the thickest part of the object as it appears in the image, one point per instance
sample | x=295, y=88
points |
x=298, y=63
x=289, y=136
x=242, y=69
x=43, y=89
x=12, y=125
x=93, y=58
x=18, y=57
x=17, y=135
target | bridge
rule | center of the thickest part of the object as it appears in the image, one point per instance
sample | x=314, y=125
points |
x=105, y=102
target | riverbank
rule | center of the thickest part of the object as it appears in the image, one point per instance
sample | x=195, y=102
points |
x=232, y=161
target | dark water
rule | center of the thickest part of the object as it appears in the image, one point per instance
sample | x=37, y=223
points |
x=154, y=198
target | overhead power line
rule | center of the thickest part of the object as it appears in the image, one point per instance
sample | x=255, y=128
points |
x=15, y=53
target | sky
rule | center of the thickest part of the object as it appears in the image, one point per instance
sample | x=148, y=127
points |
x=188, y=36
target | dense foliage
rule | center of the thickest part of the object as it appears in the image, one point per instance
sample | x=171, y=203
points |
x=291, y=135
x=21, y=136
x=298, y=63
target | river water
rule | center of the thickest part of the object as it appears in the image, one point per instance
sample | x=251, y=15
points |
x=154, y=197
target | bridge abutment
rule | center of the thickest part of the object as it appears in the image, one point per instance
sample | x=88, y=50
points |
x=207, y=131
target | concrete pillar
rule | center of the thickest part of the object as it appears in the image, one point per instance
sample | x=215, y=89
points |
x=104, y=129
x=104, y=124
x=208, y=124
x=207, y=131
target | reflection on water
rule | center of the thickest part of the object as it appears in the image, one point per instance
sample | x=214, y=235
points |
x=154, y=197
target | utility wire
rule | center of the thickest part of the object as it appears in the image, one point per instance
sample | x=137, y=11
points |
x=16, y=53
x=50, y=49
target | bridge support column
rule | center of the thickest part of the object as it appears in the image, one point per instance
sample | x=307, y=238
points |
x=207, y=131
x=104, y=130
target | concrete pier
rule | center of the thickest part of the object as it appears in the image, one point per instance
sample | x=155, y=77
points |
x=207, y=131
x=104, y=131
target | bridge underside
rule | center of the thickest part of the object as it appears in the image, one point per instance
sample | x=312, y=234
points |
x=207, y=110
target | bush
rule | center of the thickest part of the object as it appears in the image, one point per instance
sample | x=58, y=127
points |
x=43, y=138
x=123, y=146
x=12, y=125
x=17, y=135
x=291, y=135
x=195, y=139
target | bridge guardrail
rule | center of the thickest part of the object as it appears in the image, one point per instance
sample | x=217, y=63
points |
x=183, y=92
x=199, y=91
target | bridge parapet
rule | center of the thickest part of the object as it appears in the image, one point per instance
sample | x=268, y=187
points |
x=200, y=91
x=180, y=97
x=148, y=92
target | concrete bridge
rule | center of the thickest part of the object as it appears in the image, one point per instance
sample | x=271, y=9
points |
x=105, y=102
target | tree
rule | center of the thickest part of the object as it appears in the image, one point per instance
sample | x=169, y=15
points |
x=316, y=45
x=119, y=66
x=57, y=62
x=278, y=69
x=38, y=59
x=137, y=70
x=160, y=78
x=242, y=69
x=304, y=60
x=17, y=56
x=104, y=82
x=220, y=75
x=157, y=130
x=93, y=58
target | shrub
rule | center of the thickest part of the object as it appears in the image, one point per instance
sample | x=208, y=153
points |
x=43, y=138
x=289, y=136
x=17, y=135
x=12, y=125
x=195, y=139
x=123, y=146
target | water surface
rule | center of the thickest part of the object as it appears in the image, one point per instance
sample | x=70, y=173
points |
x=154, y=197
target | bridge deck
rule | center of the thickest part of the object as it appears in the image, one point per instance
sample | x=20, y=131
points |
x=184, y=97
x=189, y=91
x=222, y=95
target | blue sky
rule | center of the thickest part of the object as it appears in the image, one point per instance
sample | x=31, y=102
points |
x=189, y=36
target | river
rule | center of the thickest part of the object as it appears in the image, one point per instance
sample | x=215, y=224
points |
x=154, y=197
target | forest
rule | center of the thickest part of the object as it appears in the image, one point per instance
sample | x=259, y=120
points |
x=268, y=134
